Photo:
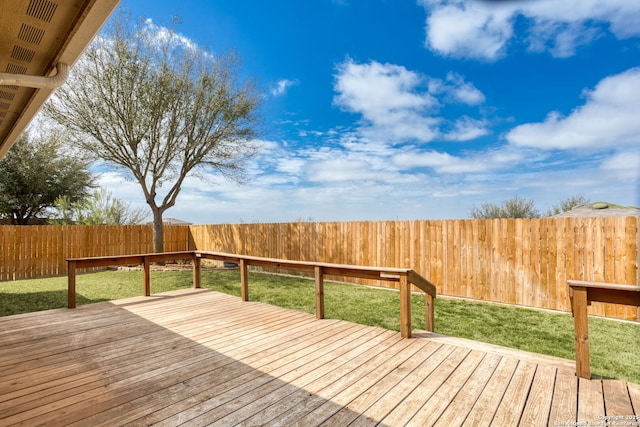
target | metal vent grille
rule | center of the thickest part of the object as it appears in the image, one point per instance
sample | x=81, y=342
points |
x=42, y=9
x=4, y=106
x=16, y=69
x=22, y=54
x=30, y=34
x=6, y=95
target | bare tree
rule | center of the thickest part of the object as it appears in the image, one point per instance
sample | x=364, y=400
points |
x=515, y=207
x=155, y=106
x=99, y=208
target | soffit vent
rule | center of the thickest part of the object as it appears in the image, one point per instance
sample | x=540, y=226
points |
x=22, y=54
x=16, y=69
x=30, y=34
x=8, y=96
x=42, y=9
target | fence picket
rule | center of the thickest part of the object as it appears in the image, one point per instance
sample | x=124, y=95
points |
x=522, y=261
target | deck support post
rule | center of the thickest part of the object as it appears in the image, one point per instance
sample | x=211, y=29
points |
x=147, y=276
x=581, y=294
x=319, y=292
x=429, y=312
x=405, y=307
x=581, y=322
x=197, y=271
x=71, y=284
x=244, y=280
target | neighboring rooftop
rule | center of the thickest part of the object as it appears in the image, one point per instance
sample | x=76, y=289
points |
x=175, y=221
x=172, y=221
x=599, y=210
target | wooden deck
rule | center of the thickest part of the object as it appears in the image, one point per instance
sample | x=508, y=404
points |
x=197, y=357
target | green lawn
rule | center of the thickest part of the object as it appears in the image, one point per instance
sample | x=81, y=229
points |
x=614, y=344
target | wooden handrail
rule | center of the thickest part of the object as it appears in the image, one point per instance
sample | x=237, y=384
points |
x=139, y=259
x=581, y=294
x=405, y=276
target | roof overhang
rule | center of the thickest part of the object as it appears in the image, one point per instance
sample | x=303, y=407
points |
x=36, y=35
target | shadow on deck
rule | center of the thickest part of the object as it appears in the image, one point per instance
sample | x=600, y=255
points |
x=203, y=358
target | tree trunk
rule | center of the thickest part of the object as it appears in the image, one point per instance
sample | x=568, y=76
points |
x=17, y=218
x=158, y=237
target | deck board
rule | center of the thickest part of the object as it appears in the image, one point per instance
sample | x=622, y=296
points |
x=460, y=407
x=197, y=357
x=564, y=405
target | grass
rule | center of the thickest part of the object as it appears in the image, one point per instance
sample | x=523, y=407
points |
x=613, y=347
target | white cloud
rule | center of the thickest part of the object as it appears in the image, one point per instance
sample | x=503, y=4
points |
x=438, y=161
x=561, y=39
x=398, y=105
x=282, y=86
x=391, y=99
x=290, y=165
x=608, y=119
x=467, y=129
x=457, y=90
x=624, y=165
x=341, y=169
x=449, y=164
x=468, y=29
x=164, y=34
x=483, y=30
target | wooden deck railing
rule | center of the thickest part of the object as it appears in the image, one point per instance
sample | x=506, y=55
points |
x=141, y=259
x=405, y=276
x=582, y=293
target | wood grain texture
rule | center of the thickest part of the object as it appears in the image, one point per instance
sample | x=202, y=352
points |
x=203, y=358
x=521, y=261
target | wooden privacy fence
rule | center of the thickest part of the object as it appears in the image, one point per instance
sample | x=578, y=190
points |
x=515, y=261
x=41, y=250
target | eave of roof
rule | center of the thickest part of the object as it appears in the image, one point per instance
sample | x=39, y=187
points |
x=35, y=36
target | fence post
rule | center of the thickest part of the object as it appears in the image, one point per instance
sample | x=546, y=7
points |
x=244, y=280
x=319, y=292
x=147, y=276
x=197, y=270
x=405, y=306
x=71, y=284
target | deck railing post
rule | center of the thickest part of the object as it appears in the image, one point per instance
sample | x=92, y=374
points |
x=147, y=276
x=581, y=321
x=429, y=312
x=405, y=307
x=244, y=280
x=197, y=270
x=71, y=284
x=319, y=292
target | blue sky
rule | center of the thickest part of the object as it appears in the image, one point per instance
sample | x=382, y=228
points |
x=394, y=109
